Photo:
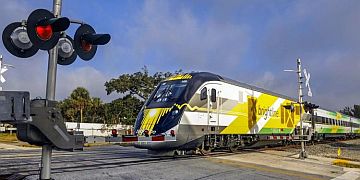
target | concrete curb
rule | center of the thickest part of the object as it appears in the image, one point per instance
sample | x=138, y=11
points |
x=346, y=163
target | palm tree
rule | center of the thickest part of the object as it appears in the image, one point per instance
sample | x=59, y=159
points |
x=80, y=100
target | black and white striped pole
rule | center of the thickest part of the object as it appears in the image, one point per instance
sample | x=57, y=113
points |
x=303, y=153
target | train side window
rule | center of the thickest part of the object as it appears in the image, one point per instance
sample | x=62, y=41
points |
x=213, y=95
x=319, y=119
x=203, y=94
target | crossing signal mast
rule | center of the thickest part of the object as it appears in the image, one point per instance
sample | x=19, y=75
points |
x=39, y=121
x=308, y=107
x=3, y=69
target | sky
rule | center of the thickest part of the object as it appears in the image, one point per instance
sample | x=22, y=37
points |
x=251, y=41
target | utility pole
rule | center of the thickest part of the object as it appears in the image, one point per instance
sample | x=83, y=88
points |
x=45, y=172
x=302, y=154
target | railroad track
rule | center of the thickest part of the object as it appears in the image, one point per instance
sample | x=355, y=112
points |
x=18, y=169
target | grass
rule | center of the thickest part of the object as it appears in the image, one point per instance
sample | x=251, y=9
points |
x=7, y=137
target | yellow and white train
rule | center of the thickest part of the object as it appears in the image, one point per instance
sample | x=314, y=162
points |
x=207, y=111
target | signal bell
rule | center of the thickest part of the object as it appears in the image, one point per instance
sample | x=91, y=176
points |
x=66, y=52
x=44, y=29
x=86, y=41
x=17, y=41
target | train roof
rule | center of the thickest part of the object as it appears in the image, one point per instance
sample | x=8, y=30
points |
x=240, y=84
x=247, y=86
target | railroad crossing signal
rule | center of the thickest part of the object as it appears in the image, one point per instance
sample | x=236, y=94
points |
x=17, y=41
x=86, y=41
x=3, y=69
x=42, y=30
x=46, y=31
x=307, y=84
x=309, y=107
x=66, y=52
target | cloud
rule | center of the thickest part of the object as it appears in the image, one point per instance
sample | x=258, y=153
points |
x=87, y=77
x=325, y=36
x=165, y=38
x=30, y=74
x=248, y=41
x=267, y=80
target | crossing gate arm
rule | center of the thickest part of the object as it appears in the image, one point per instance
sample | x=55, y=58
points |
x=38, y=122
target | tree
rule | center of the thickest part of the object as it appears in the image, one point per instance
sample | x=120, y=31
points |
x=357, y=111
x=123, y=110
x=137, y=87
x=96, y=112
x=352, y=111
x=139, y=83
x=79, y=106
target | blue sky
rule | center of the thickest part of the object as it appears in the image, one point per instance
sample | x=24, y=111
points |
x=250, y=41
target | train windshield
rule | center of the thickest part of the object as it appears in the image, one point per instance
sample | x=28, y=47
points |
x=169, y=91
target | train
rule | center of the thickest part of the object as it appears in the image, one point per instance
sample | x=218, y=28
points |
x=205, y=111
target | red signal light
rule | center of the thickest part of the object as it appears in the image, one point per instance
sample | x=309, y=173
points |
x=86, y=46
x=172, y=132
x=146, y=132
x=114, y=131
x=44, y=32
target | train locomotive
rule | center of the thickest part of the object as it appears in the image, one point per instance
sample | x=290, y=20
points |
x=204, y=111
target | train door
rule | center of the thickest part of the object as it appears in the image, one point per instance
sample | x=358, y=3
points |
x=213, y=108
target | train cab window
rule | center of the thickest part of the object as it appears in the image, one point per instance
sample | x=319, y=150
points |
x=169, y=91
x=203, y=94
x=213, y=95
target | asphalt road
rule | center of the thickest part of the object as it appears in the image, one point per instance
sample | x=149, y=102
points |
x=116, y=162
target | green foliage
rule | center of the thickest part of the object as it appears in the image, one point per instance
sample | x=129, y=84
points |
x=352, y=111
x=123, y=110
x=80, y=107
x=136, y=88
x=139, y=83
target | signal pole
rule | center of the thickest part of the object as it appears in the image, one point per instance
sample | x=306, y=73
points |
x=45, y=172
x=302, y=154
x=1, y=64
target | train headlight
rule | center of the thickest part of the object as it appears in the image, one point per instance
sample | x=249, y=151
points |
x=175, y=112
